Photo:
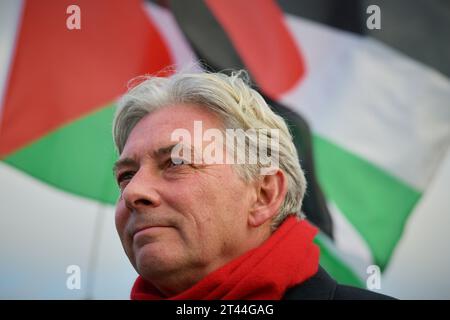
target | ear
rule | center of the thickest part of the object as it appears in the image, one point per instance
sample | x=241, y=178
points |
x=271, y=191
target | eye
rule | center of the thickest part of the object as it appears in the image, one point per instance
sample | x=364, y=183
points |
x=176, y=162
x=124, y=176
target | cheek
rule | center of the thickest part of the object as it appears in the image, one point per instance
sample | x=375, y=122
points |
x=221, y=202
x=195, y=205
x=121, y=217
x=210, y=205
x=233, y=201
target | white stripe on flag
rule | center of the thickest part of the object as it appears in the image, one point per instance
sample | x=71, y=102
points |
x=420, y=265
x=44, y=230
x=348, y=240
x=373, y=101
x=174, y=38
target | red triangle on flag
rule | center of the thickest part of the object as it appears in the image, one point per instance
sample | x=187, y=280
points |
x=59, y=75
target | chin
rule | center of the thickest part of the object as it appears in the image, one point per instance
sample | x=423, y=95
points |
x=153, y=260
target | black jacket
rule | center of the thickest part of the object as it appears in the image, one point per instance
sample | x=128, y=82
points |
x=322, y=287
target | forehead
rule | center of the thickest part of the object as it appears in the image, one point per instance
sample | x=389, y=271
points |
x=154, y=130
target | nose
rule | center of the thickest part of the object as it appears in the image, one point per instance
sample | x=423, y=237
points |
x=141, y=193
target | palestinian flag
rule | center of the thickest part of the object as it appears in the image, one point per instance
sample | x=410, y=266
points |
x=369, y=112
x=59, y=92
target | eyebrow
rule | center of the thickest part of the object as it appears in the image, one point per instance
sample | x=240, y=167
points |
x=130, y=162
x=164, y=151
x=125, y=162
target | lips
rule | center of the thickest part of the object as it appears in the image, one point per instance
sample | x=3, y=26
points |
x=145, y=228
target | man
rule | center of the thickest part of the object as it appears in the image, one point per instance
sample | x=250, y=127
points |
x=211, y=192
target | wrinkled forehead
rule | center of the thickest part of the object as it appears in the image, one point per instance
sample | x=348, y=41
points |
x=158, y=129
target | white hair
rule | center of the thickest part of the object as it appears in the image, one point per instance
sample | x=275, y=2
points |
x=237, y=105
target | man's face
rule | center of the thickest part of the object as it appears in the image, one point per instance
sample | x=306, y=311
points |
x=193, y=217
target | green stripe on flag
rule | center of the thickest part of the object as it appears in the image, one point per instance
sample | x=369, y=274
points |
x=374, y=201
x=77, y=157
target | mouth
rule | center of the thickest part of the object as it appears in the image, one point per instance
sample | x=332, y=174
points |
x=148, y=230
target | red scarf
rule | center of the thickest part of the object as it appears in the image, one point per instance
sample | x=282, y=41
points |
x=287, y=258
